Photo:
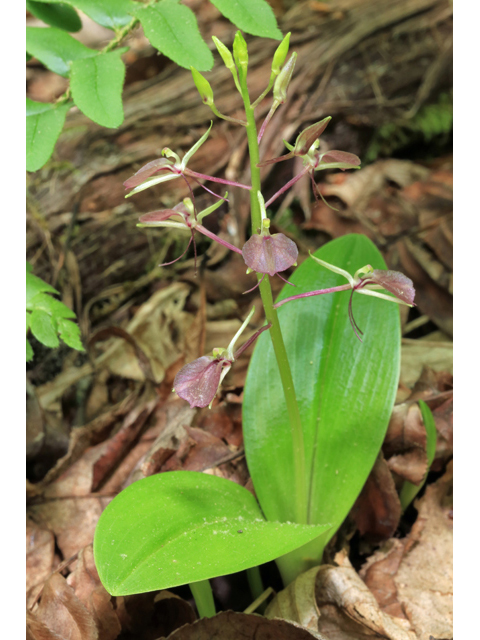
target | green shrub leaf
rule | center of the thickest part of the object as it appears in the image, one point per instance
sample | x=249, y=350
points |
x=57, y=15
x=97, y=84
x=109, y=13
x=42, y=326
x=29, y=354
x=44, y=125
x=172, y=29
x=51, y=305
x=36, y=285
x=252, y=16
x=70, y=333
x=183, y=526
x=345, y=389
x=55, y=48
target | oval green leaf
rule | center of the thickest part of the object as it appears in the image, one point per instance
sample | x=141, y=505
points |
x=183, y=526
x=56, y=15
x=44, y=124
x=252, y=16
x=345, y=389
x=97, y=85
x=112, y=14
x=55, y=48
x=42, y=327
x=172, y=29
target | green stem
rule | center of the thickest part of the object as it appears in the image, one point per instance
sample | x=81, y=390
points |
x=203, y=596
x=275, y=331
x=255, y=582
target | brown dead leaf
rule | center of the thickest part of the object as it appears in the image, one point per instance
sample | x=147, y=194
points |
x=242, y=626
x=336, y=602
x=419, y=353
x=405, y=443
x=415, y=574
x=89, y=590
x=61, y=612
x=40, y=558
x=171, y=612
x=377, y=509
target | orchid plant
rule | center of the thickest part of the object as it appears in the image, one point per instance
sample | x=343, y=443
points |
x=317, y=399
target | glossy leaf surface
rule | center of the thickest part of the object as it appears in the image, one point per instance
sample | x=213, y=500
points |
x=172, y=29
x=55, y=48
x=44, y=125
x=345, y=389
x=252, y=16
x=97, y=85
x=108, y=13
x=183, y=526
x=58, y=15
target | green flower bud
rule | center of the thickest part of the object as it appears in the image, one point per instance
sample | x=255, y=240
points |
x=203, y=86
x=224, y=53
x=283, y=80
x=240, y=52
x=280, y=54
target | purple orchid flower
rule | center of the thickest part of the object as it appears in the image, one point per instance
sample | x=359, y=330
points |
x=198, y=381
x=183, y=216
x=265, y=253
x=171, y=167
x=307, y=147
x=367, y=281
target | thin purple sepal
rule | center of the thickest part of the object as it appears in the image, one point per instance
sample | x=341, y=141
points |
x=309, y=294
x=203, y=176
x=212, y=236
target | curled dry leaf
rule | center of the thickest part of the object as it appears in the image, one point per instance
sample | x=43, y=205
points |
x=415, y=575
x=40, y=557
x=243, y=626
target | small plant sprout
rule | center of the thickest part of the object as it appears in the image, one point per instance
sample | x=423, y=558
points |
x=198, y=382
x=170, y=169
x=183, y=216
x=307, y=146
x=266, y=253
x=366, y=280
x=279, y=91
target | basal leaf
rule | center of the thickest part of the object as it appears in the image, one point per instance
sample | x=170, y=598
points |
x=345, y=389
x=172, y=29
x=183, y=526
x=57, y=15
x=97, y=84
x=44, y=125
x=70, y=333
x=55, y=48
x=252, y=16
x=42, y=327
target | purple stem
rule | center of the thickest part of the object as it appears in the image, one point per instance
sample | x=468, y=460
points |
x=212, y=192
x=246, y=344
x=289, y=184
x=212, y=236
x=343, y=287
x=203, y=176
x=266, y=121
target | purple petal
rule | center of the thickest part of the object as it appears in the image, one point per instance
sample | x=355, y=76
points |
x=341, y=156
x=158, y=216
x=308, y=136
x=395, y=282
x=270, y=254
x=147, y=171
x=197, y=382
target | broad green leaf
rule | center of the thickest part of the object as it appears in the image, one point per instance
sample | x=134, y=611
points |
x=410, y=490
x=109, y=13
x=51, y=305
x=36, y=285
x=29, y=354
x=172, y=29
x=42, y=327
x=253, y=16
x=97, y=84
x=183, y=526
x=57, y=15
x=345, y=389
x=29, y=317
x=55, y=48
x=70, y=333
x=44, y=125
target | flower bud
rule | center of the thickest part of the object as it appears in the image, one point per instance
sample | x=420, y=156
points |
x=283, y=80
x=240, y=52
x=203, y=86
x=280, y=54
x=308, y=136
x=224, y=53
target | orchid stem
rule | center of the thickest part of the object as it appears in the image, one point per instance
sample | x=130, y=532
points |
x=275, y=331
